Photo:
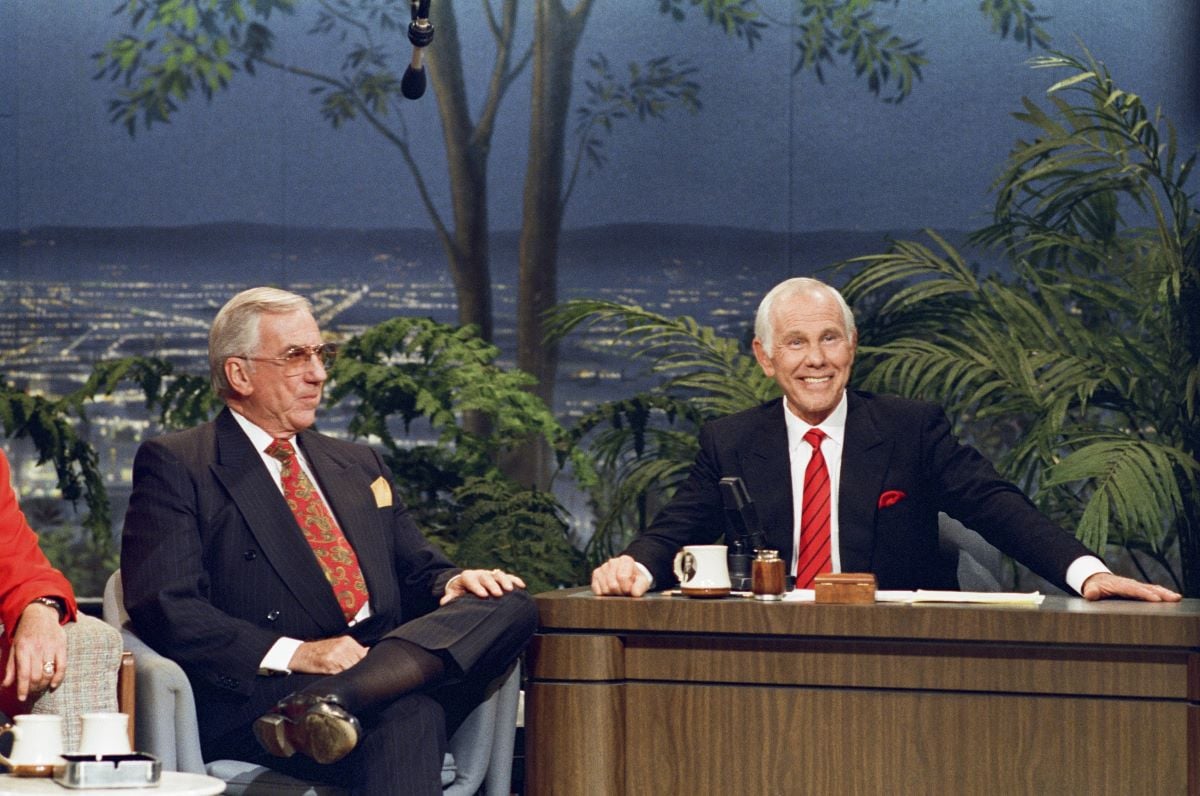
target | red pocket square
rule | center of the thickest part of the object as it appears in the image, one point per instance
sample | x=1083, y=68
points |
x=891, y=498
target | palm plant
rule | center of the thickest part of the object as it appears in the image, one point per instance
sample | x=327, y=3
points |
x=1092, y=342
x=644, y=444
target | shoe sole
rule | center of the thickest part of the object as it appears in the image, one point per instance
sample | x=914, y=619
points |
x=272, y=735
x=327, y=738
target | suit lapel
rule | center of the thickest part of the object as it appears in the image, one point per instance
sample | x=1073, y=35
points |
x=865, y=462
x=241, y=470
x=767, y=471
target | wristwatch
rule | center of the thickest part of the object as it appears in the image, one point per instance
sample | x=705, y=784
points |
x=54, y=602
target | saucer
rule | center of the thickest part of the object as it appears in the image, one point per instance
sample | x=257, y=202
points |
x=704, y=591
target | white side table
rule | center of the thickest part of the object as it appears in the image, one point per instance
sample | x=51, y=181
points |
x=175, y=783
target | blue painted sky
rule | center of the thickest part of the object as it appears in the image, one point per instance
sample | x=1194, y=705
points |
x=769, y=150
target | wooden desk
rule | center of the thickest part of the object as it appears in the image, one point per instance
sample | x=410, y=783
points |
x=671, y=695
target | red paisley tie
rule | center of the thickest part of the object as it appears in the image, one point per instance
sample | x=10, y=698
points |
x=329, y=545
x=813, y=558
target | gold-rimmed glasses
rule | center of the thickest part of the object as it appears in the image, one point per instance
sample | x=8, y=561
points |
x=298, y=358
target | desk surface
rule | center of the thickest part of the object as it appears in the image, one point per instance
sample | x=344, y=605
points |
x=1058, y=620
x=174, y=783
x=637, y=695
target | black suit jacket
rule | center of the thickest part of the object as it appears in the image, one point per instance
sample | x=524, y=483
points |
x=216, y=569
x=891, y=444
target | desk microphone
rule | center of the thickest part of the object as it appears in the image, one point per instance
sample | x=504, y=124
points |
x=747, y=533
x=420, y=33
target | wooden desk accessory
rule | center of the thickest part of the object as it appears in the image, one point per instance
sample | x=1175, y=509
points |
x=845, y=587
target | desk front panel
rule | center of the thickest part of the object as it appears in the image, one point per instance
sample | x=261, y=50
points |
x=713, y=739
x=674, y=696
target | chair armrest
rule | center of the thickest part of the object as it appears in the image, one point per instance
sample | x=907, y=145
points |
x=483, y=744
x=93, y=660
x=166, y=716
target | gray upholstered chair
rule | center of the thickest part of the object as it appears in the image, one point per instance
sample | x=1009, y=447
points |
x=93, y=662
x=481, y=751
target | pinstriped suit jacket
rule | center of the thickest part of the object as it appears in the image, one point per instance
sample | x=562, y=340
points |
x=216, y=569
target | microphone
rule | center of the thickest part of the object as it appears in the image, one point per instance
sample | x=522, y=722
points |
x=740, y=510
x=743, y=518
x=420, y=33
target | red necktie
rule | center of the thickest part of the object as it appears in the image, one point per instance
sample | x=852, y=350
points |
x=329, y=545
x=813, y=558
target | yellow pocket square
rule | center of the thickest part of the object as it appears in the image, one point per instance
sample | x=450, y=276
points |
x=382, y=493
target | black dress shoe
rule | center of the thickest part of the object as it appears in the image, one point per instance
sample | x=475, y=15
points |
x=316, y=726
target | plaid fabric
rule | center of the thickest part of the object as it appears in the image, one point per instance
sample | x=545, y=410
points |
x=93, y=659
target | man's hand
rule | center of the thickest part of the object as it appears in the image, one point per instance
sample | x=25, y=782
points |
x=482, y=583
x=620, y=576
x=1105, y=584
x=327, y=656
x=38, y=641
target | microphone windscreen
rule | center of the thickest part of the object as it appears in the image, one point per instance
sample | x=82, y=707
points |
x=412, y=85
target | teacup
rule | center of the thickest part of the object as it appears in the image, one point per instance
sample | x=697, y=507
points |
x=703, y=570
x=37, y=744
x=104, y=734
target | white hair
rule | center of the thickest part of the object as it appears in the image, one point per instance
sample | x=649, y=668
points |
x=764, y=327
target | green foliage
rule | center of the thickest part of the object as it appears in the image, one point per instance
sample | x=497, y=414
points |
x=413, y=371
x=827, y=30
x=50, y=424
x=738, y=18
x=652, y=89
x=187, y=46
x=410, y=369
x=847, y=28
x=1091, y=342
x=1017, y=17
x=644, y=445
x=517, y=529
x=85, y=561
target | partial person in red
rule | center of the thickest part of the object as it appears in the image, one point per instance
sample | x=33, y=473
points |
x=36, y=600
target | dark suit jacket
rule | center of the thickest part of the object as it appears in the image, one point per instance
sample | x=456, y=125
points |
x=891, y=444
x=216, y=569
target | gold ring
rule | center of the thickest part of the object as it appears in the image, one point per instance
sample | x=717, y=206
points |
x=48, y=667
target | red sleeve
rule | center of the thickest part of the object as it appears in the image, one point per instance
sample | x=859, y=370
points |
x=25, y=573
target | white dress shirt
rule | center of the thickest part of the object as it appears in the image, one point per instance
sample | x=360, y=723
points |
x=834, y=427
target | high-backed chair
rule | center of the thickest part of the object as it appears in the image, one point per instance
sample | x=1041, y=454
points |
x=93, y=662
x=479, y=761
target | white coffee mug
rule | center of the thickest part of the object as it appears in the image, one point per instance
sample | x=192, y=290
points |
x=37, y=744
x=703, y=570
x=104, y=734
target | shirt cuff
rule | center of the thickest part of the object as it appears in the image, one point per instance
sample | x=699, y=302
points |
x=645, y=572
x=279, y=656
x=1081, y=569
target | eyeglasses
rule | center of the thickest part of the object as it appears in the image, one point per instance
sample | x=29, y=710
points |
x=297, y=358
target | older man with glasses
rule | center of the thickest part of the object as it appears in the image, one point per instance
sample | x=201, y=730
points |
x=322, y=634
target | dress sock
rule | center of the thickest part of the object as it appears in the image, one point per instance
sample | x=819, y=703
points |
x=391, y=668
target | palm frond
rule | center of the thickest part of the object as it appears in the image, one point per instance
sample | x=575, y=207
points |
x=1134, y=487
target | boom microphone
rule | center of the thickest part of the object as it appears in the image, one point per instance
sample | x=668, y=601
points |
x=420, y=33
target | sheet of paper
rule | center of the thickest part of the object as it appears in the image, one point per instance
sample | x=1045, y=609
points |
x=930, y=596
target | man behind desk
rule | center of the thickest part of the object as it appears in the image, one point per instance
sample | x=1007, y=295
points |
x=874, y=471
x=280, y=569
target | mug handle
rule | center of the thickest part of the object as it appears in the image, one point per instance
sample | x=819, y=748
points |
x=684, y=566
x=8, y=729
